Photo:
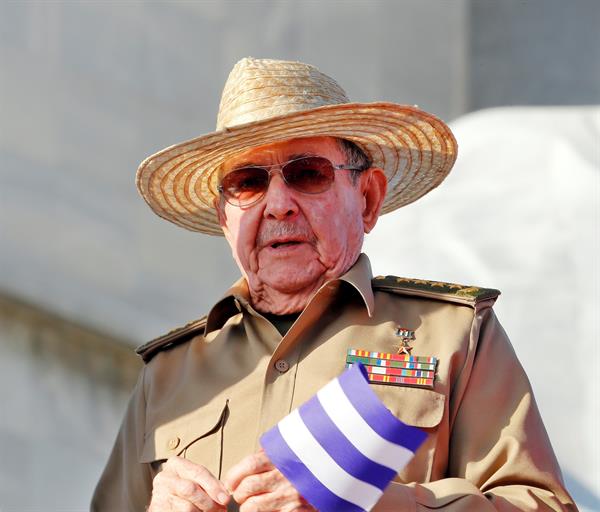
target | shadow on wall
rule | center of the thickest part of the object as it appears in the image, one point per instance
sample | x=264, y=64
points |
x=66, y=387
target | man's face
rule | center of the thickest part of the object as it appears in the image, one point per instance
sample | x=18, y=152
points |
x=291, y=241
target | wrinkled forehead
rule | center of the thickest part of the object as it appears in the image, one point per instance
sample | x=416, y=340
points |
x=285, y=150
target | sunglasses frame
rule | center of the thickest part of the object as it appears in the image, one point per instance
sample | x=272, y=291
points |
x=274, y=168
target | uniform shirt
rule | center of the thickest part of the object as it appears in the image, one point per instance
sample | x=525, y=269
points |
x=209, y=390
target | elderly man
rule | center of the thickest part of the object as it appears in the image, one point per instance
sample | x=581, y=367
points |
x=294, y=177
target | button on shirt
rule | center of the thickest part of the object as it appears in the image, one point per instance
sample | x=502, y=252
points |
x=282, y=366
x=218, y=392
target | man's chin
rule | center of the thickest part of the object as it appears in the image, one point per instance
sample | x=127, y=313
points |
x=289, y=278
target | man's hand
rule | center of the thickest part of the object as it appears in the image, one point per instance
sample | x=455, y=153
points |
x=258, y=486
x=183, y=486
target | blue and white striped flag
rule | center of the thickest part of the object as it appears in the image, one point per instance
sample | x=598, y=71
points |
x=342, y=447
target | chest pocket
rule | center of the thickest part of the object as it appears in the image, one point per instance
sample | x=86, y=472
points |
x=198, y=436
x=421, y=408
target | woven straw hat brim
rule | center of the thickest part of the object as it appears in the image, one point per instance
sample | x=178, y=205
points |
x=415, y=149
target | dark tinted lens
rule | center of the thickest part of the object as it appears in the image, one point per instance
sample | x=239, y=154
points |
x=310, y=175
x=244, y=186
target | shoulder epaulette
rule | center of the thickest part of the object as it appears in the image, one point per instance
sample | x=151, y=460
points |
x=462, y=294
x=175, y=337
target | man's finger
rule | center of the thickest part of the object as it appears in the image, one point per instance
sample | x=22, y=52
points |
x=168, y=485
x=257, y=484
x=250, y=465
x=177, y=504
x=199, y=475
x=270, y=502
x=164, y=502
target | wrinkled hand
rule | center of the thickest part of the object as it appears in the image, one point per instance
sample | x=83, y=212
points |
x=258, y=486
x=183, y=486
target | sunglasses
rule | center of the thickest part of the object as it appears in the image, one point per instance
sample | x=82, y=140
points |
x=309, y=175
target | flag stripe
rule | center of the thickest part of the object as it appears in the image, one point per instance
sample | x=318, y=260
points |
x=340, y=448
x=304, y=481
x=366, y=439
x=323, y=467
x=379, y=418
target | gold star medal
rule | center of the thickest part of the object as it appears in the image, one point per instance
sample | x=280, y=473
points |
x=406, y=336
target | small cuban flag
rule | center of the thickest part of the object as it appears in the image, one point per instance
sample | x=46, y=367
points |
x=343, y=446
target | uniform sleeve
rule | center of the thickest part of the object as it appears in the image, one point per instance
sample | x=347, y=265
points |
x=126, y=484
x=500, y=457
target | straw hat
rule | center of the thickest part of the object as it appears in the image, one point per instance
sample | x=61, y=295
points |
x=270, y=100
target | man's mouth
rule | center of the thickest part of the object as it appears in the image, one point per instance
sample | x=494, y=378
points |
x=275, y=245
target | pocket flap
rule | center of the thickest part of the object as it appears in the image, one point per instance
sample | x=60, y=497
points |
x=414, y=406
x=172, y=438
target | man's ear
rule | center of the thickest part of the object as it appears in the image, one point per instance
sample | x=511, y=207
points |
x=373, y=187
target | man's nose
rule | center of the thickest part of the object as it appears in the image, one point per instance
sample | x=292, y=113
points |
x=280, y=202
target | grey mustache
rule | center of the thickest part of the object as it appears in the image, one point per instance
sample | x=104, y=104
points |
x=274, y=231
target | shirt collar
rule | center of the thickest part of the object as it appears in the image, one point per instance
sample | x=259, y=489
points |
x=229, y=305
x=359, y=276
x=237, y=297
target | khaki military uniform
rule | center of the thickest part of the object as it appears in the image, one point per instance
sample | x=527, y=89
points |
x=210, y=389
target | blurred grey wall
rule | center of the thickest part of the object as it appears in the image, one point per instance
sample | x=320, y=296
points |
x=540, y=52
x=63, y=388
x=89, y=89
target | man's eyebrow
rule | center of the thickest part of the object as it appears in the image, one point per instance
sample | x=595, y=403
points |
x=250, y=163
x=300, y=155
x=245, y=163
